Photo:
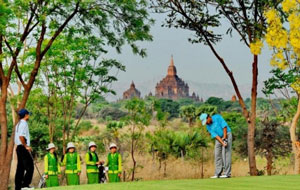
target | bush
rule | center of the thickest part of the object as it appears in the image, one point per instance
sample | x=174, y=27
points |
x=112, y=113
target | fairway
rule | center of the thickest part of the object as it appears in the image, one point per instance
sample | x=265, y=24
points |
x=241, y=183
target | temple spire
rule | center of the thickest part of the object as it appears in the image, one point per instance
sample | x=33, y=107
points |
x=172, y=69
x=172, y=61
x=132, y=85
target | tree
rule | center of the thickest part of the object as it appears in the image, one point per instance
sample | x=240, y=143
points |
x=161, y=143
x=272, y=140
x=189, y=113
x=284, y=41
x=246, y=19
x=170, y=106
x=238, y=126
x=77, y=74
x=210, y=110
x=138, y=117
x=114, y=128
x=38, y=24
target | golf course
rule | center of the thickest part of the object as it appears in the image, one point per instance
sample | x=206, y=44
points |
x=289, y=182
x=150, y=94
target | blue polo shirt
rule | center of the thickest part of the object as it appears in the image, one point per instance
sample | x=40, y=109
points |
x=217, y=126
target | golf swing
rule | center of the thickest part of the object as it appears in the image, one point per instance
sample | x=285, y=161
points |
x=219, y=130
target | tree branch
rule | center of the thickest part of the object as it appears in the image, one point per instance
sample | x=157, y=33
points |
x=59, y=30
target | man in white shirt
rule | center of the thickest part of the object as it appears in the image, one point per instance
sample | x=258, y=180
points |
x=25, y=165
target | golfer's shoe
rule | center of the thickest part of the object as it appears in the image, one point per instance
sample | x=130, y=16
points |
x=214, y=177
x=27, y=188
x=224, y=176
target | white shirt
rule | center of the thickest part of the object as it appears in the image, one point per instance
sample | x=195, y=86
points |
x=22, y=130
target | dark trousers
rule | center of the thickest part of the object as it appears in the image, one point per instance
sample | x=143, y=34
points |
x=25, y=168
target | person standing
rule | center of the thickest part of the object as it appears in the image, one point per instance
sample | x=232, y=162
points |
x=73, y=165
x=92, y=162
x=25, y=166
x=114, y=163
x=219, y=129
x=52, y=167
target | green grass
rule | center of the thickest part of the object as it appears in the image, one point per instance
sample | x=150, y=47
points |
x=242, y=183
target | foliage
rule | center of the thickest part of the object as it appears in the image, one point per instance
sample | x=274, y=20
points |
x=188, y=113
x=238, y=126
x=170, y=106
x=113, y=113
x=138, y=117
x=285, y=43
x=211, y=110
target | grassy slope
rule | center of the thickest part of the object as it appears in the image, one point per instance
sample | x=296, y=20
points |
x=241, y=183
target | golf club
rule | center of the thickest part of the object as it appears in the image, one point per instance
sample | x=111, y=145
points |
x=224, y=154
x=42, y=183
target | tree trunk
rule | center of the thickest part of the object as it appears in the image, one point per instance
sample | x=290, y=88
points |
x=165, y=168
x=269, y=158
x=252, y=124
x=4, y=167
x=133, y=159
x=6, y=148
x=294, y=139
x=202, y=163
x=4, y=173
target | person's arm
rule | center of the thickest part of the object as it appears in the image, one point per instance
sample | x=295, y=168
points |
x=46, y=166
x=87, y=160
x=224, y=133
x=120, y=163
x=224, y=125
x=23, y=130
x=221, y=141
x=78, y=164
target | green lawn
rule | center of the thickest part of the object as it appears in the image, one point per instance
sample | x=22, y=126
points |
x=241, y=183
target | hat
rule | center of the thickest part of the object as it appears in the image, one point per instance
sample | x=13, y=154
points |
x=92, y=144
x=70, y=145
x=203, y=118
x=112, y=145
x=50, y=146
x=23, y=112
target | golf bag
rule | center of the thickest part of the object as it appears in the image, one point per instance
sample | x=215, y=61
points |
x=102, y=176
x=42, y=182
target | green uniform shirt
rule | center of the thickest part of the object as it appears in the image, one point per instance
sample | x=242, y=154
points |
x=114, y=163
x=52, y=166
x=91, y=166
x=72, y=163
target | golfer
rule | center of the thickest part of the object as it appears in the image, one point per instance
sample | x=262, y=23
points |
x=25, y=167
x=219, y=129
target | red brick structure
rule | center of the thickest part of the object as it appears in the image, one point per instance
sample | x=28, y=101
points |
x=233, y=99
x=172, y=86
x=131, y=92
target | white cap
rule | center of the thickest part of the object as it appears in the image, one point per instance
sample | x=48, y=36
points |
x=92, y=144
x=50, y=146
x=70, y=145
x=112, y=145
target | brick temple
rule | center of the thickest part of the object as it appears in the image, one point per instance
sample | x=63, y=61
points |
x=170, y=87
x=131, y=92
x=173, y=87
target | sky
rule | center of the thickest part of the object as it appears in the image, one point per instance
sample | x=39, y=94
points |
x=194, y=62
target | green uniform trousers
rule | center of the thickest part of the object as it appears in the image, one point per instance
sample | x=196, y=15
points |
x=113, y=178
x=93, y=178
x=73, y=179
x=52, y=181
